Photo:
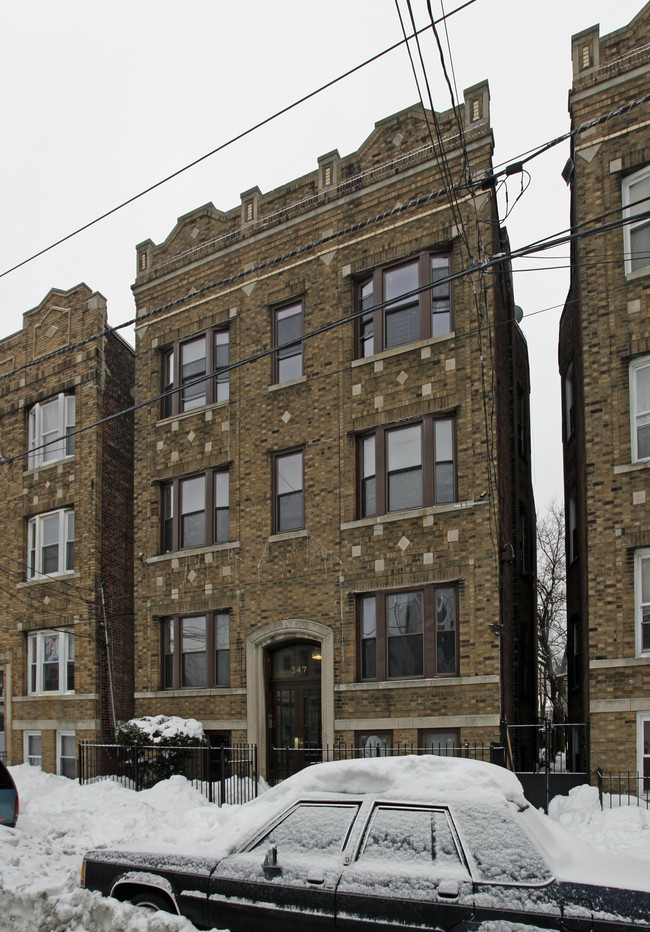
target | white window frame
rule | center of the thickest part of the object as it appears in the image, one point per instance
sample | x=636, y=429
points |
x=629, y=228
x=33, y=760
x=60, y=735
x=46, y=448
x=35, y=544
x=641, y=719
x=639, y=558
x=36, y=653
x=637, y=418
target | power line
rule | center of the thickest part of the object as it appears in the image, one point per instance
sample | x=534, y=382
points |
x=511, y=167
x=477, y=266
x=221, y=147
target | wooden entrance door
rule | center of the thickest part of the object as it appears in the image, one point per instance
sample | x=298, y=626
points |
x=295, y=708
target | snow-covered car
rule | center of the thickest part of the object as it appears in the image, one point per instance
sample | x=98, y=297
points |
x=409, y=843
x=9, y=804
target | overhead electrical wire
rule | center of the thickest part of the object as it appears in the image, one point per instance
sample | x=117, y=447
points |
x=497, y=259
x=511, y=167
x=222, y=146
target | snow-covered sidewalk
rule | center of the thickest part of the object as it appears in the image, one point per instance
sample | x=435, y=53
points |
x=59, y=820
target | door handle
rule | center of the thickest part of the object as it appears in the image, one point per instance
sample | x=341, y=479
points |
x=316, y=878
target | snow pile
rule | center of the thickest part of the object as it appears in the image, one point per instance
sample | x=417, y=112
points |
x=623, y=830
x=161, y=728
x=40, y=860
x=60, y=820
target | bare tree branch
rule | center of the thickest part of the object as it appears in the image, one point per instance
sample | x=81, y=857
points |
x=551, y=615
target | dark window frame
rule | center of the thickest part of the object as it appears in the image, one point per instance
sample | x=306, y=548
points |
x=442, y=749
x=277, y=494
x=382, y=733
x=428, y=466
x=215, y=379
x=171, y=527
x=429, y=634
x=290, y=349
x=175, y=668
x=368, y=345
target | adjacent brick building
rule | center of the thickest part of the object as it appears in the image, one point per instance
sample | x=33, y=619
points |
x=334, y=527
x=605, y=367
x=66, y=645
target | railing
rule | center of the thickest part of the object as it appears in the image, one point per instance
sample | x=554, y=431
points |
x=622, y=788
x=287, y=761
x=222, y=774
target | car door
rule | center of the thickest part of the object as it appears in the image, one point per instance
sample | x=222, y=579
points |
x=407, y=873
x=286, y=878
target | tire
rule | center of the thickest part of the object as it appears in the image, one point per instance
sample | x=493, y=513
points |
x=151, y=901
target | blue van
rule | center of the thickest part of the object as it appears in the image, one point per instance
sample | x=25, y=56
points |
x=8, y=798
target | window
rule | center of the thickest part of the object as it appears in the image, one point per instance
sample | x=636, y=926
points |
x=407, y=467
x=522, y=421
x=289, y=512
x=51, y=430
x=442, y=743
x=569, y=403
x=66, y=754
x=198, y=369
x=642, y=589
x=408, y=633
x=644, y=750
x=287, y=337
x=33, y=748
x=374, y=743
x=403, y=838
x=196, y=651
x=50, y=544
x=196, y=511
x=572, y=528
x=406, y=317
x=310, y=829
x=640, y=408
x=636, y=233
x=50, y=661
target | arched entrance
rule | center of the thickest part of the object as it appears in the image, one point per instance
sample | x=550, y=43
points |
x=294, y=703
x=282, y=704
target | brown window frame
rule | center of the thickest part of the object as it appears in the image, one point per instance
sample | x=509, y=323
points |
x=172, y=543
x=212, y=665
x=215, y=378
x=276, y=494
x=428, y=466
x=425, y=301
x=441, y=731
x=429, y=633
x=286, y=352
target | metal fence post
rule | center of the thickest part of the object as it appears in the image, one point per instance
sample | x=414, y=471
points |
x=136, y=769
x=599, y=775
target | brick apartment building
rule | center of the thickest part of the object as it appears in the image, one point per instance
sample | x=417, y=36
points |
x=605, y=367
x=334, y=527
x=67, y=537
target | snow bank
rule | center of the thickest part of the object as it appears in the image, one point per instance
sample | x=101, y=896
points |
x=40, y=860
x=60, y=820
x=161, y=728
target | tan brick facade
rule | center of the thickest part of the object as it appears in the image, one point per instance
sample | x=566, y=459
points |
x=66, y=529
x=604, y=346
x=461, y=557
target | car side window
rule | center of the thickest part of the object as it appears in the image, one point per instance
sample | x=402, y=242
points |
x=410, y=836
x=311, y=829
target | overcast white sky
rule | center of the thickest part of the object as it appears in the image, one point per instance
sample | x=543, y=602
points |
x=102, y=98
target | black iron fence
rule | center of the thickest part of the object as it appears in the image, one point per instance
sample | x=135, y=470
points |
x=622, y=788
x=287, y=761
x=223, y=774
